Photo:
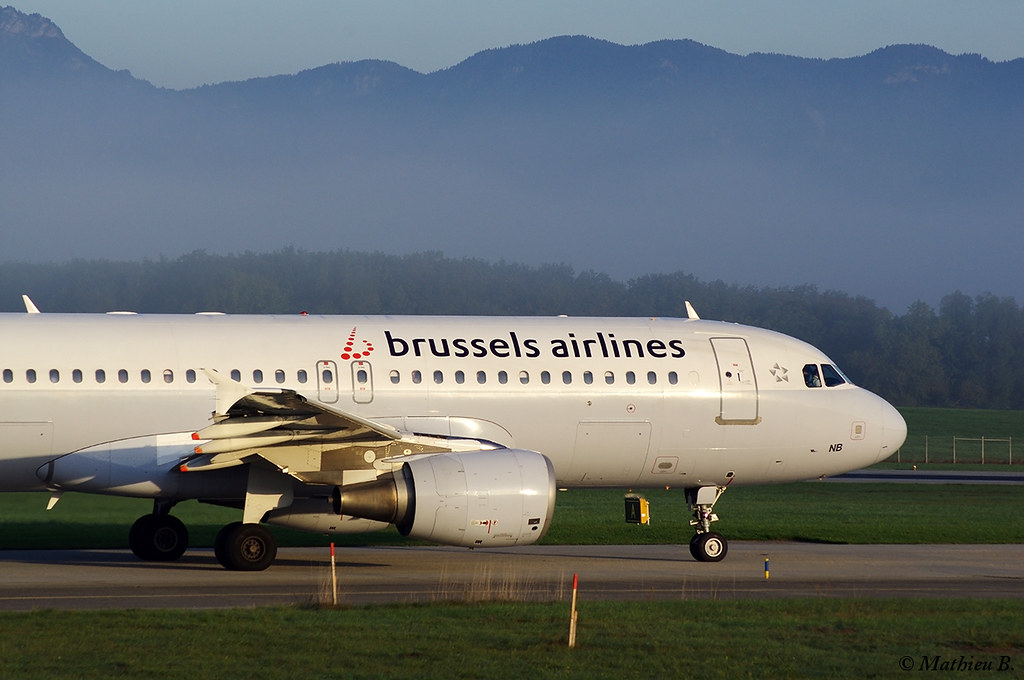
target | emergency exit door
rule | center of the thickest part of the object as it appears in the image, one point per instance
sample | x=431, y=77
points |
x=327, y=381
x=362, y=382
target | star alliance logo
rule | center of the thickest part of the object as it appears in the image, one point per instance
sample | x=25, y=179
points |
x=780, y=373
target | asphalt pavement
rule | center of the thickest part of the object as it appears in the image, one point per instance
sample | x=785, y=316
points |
x=115, y=579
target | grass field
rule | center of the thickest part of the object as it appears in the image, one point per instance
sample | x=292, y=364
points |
x=930, y=433
x=809, y=638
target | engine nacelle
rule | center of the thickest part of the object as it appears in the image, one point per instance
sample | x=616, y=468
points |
x=317, y=515
x=476, y=499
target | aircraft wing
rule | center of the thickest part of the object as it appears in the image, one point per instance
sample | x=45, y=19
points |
x=305, y=439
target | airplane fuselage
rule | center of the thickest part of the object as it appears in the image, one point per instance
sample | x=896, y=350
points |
x=611, y=402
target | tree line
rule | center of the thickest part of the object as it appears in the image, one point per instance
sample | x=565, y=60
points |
x=962, y=354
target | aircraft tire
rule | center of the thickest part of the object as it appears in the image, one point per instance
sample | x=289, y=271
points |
x=709, y=547
x=218, y=543
x=158, y=538
x=245, y=547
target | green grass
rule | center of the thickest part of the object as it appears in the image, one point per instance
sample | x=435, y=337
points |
x=807, y=511
x=930, y=432
x=967, y=422
x=765, y=639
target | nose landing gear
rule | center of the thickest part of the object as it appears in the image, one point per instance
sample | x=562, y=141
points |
x=706, y=545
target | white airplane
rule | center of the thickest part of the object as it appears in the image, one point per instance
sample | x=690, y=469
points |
x=456, y=430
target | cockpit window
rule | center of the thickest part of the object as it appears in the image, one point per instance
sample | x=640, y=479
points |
x=832, y=375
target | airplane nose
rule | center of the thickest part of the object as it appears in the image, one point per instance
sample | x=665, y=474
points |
x=894, y=431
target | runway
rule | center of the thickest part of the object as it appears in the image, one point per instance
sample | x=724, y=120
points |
x=67, y=580
x=931, y=477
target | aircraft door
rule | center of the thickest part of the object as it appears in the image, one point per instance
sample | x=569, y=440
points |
x=327, y=381
x=362, y=382
x=737, y=380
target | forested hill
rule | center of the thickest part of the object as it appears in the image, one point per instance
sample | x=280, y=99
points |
x=895, y=174
x=963, y=354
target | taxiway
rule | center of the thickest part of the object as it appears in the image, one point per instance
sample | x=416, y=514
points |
x=33, y=580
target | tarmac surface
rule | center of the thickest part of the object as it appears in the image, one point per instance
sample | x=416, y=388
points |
x=115, y=579
x=931, y=477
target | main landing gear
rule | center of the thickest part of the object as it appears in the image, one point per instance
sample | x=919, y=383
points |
x=158, y=537
x=161, y=537
x=245, y=547
x=706, y=545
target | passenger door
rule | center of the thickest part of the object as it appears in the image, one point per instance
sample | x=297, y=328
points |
x=738, y=383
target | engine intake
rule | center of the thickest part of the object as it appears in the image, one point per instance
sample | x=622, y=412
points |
x=475, y=499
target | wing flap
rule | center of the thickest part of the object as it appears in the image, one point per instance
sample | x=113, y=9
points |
x=244, y=427
x=305, y=439
x=206, y=463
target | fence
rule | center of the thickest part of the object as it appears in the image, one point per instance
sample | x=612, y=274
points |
x=972, y=450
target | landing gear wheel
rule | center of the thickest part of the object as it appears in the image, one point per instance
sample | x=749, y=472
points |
x=709, y=547
x=245, y=547
x=158, y=538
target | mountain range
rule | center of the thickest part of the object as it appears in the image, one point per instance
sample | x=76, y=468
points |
x=896, y=175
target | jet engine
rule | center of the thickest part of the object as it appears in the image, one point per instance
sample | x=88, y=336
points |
x=474, y=499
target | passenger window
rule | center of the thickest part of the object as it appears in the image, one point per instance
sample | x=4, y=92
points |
x=652, y=378
x=524, y=377
x=545, y=377
x=417, y=377
x=481, y=377
x=54, y=375
x=190, y=376
x=30, y=375
x=236, y=375
x=438, y=377
x=362, y=377
x=395, y=377
x=460, y=377
x=168, y=376
x=122, y=375
x=588, y=378
x=279, y=376
x=257, y=376
x=8, y=375
x=146, y=377
x=811, y=377
x=566, y=377
x=609, y=377
x=673, y=378
x=101, y=376
x=503, y=377
x=832, y=375
x=302, y=376
x=76, y=375
x=327, y=376
x=630, y=378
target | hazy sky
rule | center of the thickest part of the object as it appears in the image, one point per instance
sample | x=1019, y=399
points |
x=477, y=211
x=184, y=43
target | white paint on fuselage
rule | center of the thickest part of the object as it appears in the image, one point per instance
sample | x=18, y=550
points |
x=585, y=425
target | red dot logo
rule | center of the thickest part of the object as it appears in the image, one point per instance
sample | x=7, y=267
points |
x=356, y=348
